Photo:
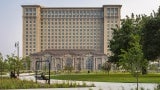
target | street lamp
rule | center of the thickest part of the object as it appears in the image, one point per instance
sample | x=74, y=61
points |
x=17, y=46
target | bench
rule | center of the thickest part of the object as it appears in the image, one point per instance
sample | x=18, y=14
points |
x=41, y=78
x=38, y=77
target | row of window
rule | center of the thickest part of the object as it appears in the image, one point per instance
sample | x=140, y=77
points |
x=31, y=32
x=30, y=10
x=85, y=40
x=83, y=44
x=30, y=50
x=71, y=23
x=31, y=28
x=72, y=37
x=29, y=36
x=69, y=19
x=31, y=46
x=33, y=50
x=112, y=11
x=30, y=25
x=62, y=19
x=72, y=30
x=33, y=43
x=73, y=27
x=66, y=34
x=30, y=14
x=69, y=47
x=69, y=16
x=71, y=12
x=71, y=40
x=30, y=39
x=76, y=39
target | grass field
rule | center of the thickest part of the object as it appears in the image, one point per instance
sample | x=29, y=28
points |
x=125, y=78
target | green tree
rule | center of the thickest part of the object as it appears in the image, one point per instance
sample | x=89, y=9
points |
x=14, y=64
x=133, y=59
x=11, y=63
x=19, y=65
x=1, y=64
x=151, y=36
x=27, y=62
x=122, y=37
x=1, y=57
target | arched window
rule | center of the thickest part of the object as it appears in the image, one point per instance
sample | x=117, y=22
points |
x=99, y=66
x=89, y=63
x=58, y=67
x=69, y=62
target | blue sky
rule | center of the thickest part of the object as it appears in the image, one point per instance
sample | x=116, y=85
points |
x=11, y=15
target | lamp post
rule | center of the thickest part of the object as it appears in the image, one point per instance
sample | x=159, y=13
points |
x=17, y=46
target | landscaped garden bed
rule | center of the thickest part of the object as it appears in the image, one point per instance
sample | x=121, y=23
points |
x=7, y=83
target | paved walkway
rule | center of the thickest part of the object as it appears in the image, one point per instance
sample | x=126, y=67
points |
x=98, y=85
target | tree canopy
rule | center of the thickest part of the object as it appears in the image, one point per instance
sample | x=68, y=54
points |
x=148, y=29
x=151, y=37
x=122, y=37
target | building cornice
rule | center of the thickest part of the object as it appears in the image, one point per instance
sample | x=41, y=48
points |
x=112, y=5
x=30, y=5
x=71, y=7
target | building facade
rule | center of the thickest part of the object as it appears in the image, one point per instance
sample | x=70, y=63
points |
x=69, y=36
x=68, y=28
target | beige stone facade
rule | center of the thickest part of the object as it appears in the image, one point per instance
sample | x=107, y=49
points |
x=69, y=36
x=80, y=60
x=81, y=28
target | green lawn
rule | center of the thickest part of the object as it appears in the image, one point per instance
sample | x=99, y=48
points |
x=125, y=78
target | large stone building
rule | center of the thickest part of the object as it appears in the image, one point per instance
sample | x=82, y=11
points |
x=68, y=28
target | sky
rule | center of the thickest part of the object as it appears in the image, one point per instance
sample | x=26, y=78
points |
x=11, y=15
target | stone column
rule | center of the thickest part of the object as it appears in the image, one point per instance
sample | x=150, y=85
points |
x=74, y=62
x=95, y=64
x=55, y=64
x=84, y=64
x=62, y=63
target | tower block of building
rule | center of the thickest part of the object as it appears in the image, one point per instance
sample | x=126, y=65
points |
x=69, y=28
